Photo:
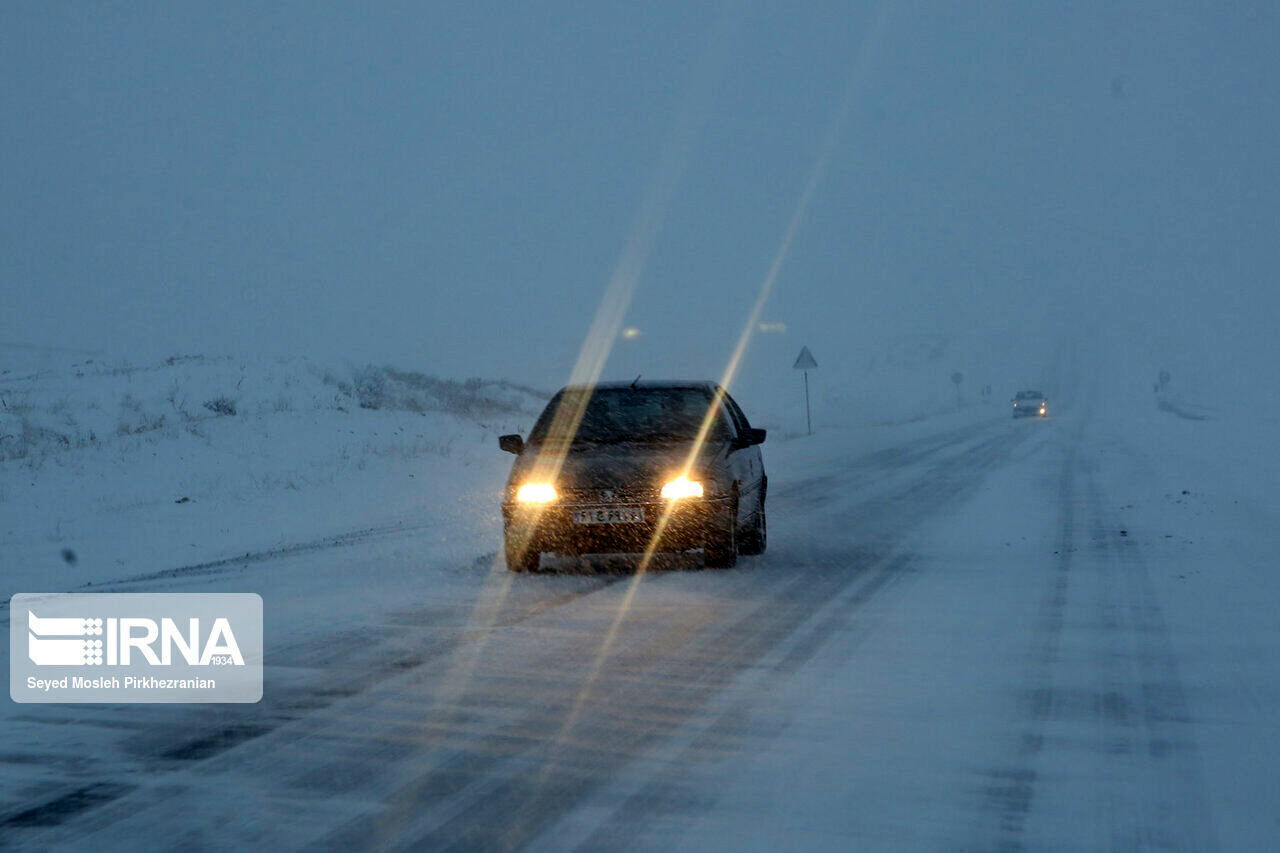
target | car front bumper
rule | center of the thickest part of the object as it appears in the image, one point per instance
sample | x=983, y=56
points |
x=551, y=528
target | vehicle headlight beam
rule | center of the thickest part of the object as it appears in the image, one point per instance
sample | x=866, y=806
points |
x=536, y=493
x=681, y=487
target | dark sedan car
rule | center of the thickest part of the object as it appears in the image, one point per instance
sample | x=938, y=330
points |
x=633, y=468
x=1030, y=404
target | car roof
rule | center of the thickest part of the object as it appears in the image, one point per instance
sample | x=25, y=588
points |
x=648, y=384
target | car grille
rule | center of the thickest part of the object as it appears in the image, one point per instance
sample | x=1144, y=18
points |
x=597, y=496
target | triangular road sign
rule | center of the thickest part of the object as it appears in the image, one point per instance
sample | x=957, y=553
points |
x=805, y=360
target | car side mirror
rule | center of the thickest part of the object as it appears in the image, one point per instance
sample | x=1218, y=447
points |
x=511, y=444
x=750, y=437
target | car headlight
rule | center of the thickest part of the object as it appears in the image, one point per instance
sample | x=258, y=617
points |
x=681, y=487
x=536, y=493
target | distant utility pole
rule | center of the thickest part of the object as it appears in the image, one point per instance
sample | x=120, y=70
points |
x=806, y=362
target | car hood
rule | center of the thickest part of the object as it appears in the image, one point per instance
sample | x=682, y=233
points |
x=619, y=465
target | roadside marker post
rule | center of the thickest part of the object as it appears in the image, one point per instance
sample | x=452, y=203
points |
x=806, y=362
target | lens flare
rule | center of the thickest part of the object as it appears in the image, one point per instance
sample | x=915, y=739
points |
x=811, y=185
x=605, y=326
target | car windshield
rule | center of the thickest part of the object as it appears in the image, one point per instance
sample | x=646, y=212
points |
x=614, y=415
x=1029, y=395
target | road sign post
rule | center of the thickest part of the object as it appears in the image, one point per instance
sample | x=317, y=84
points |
x=806, y=362
x=808, y=420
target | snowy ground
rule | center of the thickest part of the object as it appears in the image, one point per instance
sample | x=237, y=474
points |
x=968, y=632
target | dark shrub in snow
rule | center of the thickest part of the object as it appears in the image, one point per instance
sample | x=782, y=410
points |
x=221, y=405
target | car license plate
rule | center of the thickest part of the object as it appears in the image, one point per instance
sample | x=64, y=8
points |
x=609, y=515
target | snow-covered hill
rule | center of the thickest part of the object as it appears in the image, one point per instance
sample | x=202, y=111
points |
x=110, y=471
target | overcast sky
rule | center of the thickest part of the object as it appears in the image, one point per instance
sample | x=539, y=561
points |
x=449, y=187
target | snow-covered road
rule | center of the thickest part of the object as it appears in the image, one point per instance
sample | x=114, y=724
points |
x=981, y=634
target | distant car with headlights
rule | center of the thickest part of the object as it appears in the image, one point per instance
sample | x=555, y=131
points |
x=633, y=468
x=1030, y=404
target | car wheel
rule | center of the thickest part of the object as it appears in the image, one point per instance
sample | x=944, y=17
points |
x=521, y=556
x=756, y=539
x=721, y=550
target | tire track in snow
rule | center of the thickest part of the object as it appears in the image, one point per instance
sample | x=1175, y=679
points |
x=1104, y=693
x=1167, y=804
